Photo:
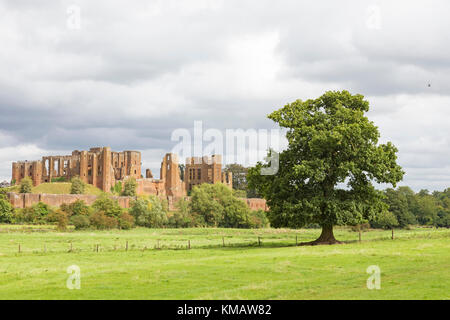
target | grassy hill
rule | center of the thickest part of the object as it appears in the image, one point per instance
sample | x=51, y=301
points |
x=63, y=188
x=57, y=188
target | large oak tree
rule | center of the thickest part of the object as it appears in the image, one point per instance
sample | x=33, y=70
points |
x=327, y=172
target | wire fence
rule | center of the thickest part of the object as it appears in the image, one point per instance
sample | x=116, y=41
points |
x=182, y=243
x=21, y=243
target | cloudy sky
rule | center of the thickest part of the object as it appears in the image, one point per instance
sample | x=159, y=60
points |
x=126, y=74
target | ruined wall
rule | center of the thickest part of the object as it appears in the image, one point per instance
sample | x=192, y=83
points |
x=23, y=200
x=99, y=166
x=256, y=204
x=170, y=174
x=102, y=167
x=150, y=186
x=205, y=170
x=126, y=164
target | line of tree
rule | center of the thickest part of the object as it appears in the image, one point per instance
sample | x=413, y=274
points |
x=210, y=206
x=421, y=208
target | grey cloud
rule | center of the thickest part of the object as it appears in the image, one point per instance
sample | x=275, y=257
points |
x=135, y=72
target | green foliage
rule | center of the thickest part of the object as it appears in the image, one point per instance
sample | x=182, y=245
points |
x=101, y=221
x=78, y=186
x=423, y=208
x=182, y=217
x=239, y=193
x=325, y=175
x=399, y=204
x=58, y=217
x=239, y=174
x=117, y=188
x=78, y=207
x=36, y=214
x=428, y=210
x=3, y=192
x=59, y=179
x=240, y=183
x=6, y=211
x=149, y=212
x=25, y=185
x=218, y=207
x=130, y=187
x=80, y=222
x=125, y=221
x=259, y=219
x=108, y=206
x=385, y=220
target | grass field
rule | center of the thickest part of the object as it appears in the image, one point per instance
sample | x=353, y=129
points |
x=415, y=265
x=58, y=188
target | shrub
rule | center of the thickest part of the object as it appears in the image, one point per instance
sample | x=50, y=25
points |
x=129, y=188
x=360, y=227
x=101, y=221
x=60, y=218
x=385, y=220
x=78, y=186
x=3, y=192
x=80, y=222
x=25, y=185
x=240, y=193
x=258, y=219
x=36, y=214
x=149, y=212
x=125, y=221
x=78, y=207
x=182, y=218
x=117, y=189
x=108, y=205
x=217, y=206
x=6, y=211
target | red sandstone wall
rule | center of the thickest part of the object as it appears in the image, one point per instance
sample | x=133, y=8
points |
x=257, y=204
x=150, y=186
x=22, y=200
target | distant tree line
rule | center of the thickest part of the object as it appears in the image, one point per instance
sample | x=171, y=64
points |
x=211, y=205
x=422, y=208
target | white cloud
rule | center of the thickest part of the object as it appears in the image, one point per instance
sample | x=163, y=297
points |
x=134, y=72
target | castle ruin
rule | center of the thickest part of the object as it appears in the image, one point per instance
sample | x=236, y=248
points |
x=102, y=168
x=205, y=170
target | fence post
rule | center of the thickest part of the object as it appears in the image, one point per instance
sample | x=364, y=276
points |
x=97, y=247
x=392, y=233
x=71, y=247
x=259, y=241
x=223, y=241
x=126, y=247
x=189, y=244
x=296, y=240
x=19, y=247
x=359, y=235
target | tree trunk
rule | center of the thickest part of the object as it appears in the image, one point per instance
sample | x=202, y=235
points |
x=326, y=237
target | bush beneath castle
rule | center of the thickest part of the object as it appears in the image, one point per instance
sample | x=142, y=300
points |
x=215, y=205
x=210, y=206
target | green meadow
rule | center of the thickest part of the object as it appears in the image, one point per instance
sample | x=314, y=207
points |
x=222, y=264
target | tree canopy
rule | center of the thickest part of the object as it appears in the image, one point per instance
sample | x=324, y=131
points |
x=326, y=174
